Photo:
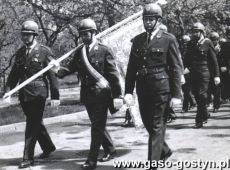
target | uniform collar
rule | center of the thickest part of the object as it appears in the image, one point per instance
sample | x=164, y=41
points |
x=92, y=44
x=153, y=34
x=32, y=46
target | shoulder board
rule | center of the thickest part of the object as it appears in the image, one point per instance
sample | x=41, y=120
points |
x=45, y=47
x=20, y=50
x=169, y=34
x=138, y=36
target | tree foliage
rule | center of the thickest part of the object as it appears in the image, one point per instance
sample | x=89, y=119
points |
x=58, y=19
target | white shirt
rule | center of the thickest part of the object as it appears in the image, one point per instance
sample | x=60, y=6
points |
x=30, y=47
x=153, y=34
x=92, y=44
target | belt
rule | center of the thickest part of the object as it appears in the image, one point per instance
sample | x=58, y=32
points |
x=146, y=71
x=199, y=63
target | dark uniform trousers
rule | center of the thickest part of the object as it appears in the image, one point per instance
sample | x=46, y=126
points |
x=154, y=110
x=99, y=135
x=33, y=96
x=35, y=129
x=202, y=62
x=216, y=91
x=200, y=83
x=188, y=100
x=155, y=69
x=225, y=62
x=225, y=84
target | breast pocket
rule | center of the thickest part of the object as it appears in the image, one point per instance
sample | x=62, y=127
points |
x=34, y=66
x=98, y=64
x=157, y=52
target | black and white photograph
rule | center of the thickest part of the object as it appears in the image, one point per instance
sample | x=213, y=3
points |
x=115, y=84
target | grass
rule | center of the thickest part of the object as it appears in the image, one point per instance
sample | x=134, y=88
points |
x=70, y=81
x=14, y=114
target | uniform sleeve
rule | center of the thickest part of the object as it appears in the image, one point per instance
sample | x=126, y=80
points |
x=224, y=54
x=53, y=81
x=175, y=67
x=131, y=73
x=187, y=57
x=112, y=74
x=213, y=60
x=68, y=69
x=13, y=77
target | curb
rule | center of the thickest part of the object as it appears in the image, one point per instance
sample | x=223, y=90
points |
x=20, y=127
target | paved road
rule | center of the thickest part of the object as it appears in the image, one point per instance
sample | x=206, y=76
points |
x=71, y=134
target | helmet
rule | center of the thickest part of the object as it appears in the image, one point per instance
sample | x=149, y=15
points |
x=223, y=40
x=152, y=10
x=87, y=25
x=186, y=38
x=198, y=26
x=214, y=36
x=30, y=27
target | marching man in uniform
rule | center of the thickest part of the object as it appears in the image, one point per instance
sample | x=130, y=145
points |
x=155, y=66
x=201, y=61
x=100, y=89
x=30, y=59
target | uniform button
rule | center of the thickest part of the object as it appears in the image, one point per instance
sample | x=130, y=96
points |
x=144, y=58
x=143, y=66
x=158, y=50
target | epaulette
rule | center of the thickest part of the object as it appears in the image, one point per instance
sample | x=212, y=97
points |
x=20, y=49
x=138, y=36
x=47, y=48
x=169, y=34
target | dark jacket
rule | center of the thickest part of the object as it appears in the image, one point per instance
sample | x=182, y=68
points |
x=26, y=66
x=202, y=55
x=225, y=55
x=102, y=59
x=160, y=59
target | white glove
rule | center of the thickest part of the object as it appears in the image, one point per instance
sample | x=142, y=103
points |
x=186, y=71
x=6, y=98
x=223, y=69
x=182, y=80
x=54, y=103
x=217, y=80
x=174, y=102
x=117, y=102
x=129, y=99
x=55, y=65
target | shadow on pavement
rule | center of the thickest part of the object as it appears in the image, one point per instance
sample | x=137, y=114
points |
x=180, y=126
x=65, y=160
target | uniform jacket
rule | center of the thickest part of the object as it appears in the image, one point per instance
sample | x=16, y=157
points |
x=225, y=55
x=102, y=59
x=162, y=60
x=26, y=66
x=202, y=55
